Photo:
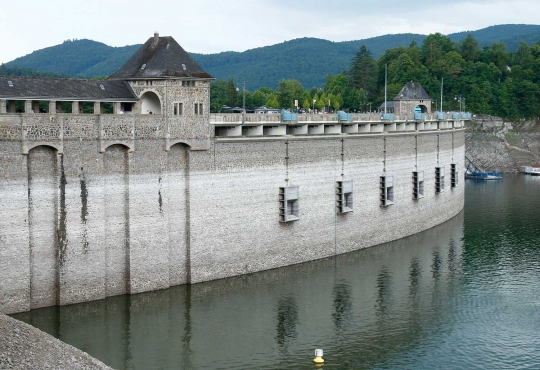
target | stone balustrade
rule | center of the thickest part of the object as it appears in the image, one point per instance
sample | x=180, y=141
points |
x=249, y=125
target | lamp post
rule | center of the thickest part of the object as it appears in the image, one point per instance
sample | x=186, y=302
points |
x=460, y=99
x=313, y=106
x=243, y=86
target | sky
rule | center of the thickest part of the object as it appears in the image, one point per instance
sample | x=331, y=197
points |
x=212, y=26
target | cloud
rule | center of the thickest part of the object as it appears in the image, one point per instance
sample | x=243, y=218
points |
x=210, y=26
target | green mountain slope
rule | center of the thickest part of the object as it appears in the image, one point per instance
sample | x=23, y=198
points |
x=503, y=32
x=306, y=59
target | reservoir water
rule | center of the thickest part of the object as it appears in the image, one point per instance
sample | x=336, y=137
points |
x=465, y=294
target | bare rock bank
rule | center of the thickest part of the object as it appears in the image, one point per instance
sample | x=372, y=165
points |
x=25, y=347
x=498, y=145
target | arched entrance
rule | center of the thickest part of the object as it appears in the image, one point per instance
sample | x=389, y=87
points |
x=150, y=102
x=421, y=109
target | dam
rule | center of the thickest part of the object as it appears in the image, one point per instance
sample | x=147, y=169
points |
x=99, y=205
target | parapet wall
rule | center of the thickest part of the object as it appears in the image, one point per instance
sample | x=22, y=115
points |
x=96, y=206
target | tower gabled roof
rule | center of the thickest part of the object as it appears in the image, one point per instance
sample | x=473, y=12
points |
x=160, y=57
x=412, y=91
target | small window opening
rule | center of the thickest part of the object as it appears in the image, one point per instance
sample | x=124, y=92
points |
x=198, y=109
x=418, y=184
x=178, y=109
x=183, y=66
x=101, y=87
x=439, y=179
x=143, y=66
x=454, y=175
x=10, y=83
x=344, y=196
x=128, y=107
x=288, y=204
x=387, y=190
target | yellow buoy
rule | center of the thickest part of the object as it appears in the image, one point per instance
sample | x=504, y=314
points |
x=318, y=357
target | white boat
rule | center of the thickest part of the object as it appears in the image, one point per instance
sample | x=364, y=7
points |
x=533, y=169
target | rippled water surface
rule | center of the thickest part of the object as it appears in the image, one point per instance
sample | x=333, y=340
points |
x=464, y=295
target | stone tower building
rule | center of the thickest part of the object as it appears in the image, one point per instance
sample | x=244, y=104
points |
x=411, y=96
x=166, y=80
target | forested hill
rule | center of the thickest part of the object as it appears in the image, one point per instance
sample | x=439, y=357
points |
x=307, y=60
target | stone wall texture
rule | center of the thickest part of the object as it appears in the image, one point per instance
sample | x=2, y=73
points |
x=94, y=206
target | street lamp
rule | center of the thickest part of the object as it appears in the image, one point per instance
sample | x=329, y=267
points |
x=460, y=98
x=313, y=106
x=243, y=86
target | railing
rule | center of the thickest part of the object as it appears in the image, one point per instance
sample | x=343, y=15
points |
x=387, y=116
x=419, y=116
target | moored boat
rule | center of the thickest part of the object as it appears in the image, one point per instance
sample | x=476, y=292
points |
x=481, y=175
x=533, y=170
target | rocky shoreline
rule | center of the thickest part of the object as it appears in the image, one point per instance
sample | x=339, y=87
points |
x=25, y=347
x=494, y=144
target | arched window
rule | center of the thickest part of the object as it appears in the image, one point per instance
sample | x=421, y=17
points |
x=150, y=103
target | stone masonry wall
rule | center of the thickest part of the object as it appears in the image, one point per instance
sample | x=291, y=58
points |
x=94, y=206
x=244, y=184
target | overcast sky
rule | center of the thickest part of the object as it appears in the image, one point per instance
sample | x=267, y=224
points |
x=211, y=26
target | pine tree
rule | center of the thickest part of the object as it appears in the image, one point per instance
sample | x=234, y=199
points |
x=364, y=72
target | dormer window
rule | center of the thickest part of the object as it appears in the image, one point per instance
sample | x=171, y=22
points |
x=10, y=83
x=183, y=66
x=143, y=66
x=101, y=87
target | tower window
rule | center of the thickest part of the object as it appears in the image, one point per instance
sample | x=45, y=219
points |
x=178, y=109
x=198, y=109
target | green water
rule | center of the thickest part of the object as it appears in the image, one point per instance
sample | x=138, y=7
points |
x=464, y=295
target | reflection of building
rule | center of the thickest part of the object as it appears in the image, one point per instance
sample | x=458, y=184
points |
x=411, y=97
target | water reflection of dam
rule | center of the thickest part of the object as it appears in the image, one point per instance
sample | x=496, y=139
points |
x=361, y=308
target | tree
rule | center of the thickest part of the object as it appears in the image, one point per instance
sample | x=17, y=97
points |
x=338, y=84
x=497, y=55
x=363, y=72
x=272, y=102
x=434, y=48
x=218, y=95
x=470, y=49
x=231, y=93
x=261, y=95
x=287, y=92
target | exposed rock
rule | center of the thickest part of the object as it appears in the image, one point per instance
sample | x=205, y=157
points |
x=25, y=347
x=497, y=145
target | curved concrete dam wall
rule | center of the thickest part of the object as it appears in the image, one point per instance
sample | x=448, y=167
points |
x=83, y=218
